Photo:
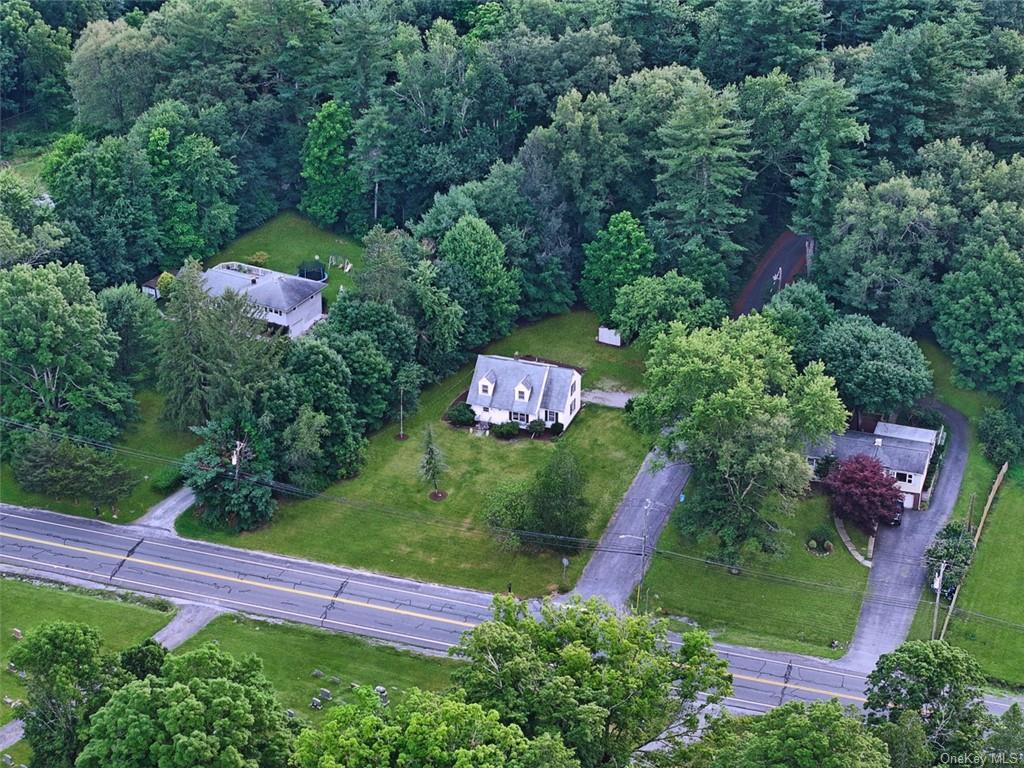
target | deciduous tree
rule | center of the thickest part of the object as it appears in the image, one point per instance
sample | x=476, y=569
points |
x=205, y=708
x=731, y=401
x=424, y=729
x=876, y=369
x=473, y=269
x=940, y=682
x=332, y=188
x=135, y=319
x=619, y=254
x=67, y=679
x=58, y=355
x=861, y=492
x=607, y=682
x=645, y=307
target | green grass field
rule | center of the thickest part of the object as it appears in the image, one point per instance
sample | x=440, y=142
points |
x=993, y=584
x=150, y=434
x=989, y=620
x=392, y=526
x=291, y=652
x=27, y=165
x=25, y=606
x=290, y=239
x=800, y=602
x=569, y=338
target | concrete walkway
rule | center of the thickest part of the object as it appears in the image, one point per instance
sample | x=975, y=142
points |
x=898, y=571
x=163, y=514
x=606, y=397
x=187, y=621
x=848, y=543
x=11, y=733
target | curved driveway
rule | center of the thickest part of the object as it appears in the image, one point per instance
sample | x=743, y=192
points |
x=898, y=571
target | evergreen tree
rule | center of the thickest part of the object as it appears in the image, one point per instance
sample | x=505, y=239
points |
x=184, y=370
x=703, y=162
x=432, y=464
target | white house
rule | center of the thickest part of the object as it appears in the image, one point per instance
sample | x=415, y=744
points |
x=292, y=303
x=509, y=389
x=905, y=452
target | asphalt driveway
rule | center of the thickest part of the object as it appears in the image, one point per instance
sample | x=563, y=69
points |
x=898, y=573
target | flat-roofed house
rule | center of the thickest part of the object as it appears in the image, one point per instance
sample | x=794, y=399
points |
x=904, y=452
x=292, y=303
x=511, y=389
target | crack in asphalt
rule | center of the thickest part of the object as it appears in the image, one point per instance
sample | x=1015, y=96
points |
x=333, y=603
x=124, y=559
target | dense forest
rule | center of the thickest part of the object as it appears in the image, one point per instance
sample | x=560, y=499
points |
x=503, y=162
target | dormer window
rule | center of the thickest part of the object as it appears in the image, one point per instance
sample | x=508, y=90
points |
x=522, y=394
x=486, y=385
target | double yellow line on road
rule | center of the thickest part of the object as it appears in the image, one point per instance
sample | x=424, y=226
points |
x=237, y=580
x=325, y=596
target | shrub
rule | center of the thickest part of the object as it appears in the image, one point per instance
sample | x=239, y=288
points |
x=1001, y=435
x=64, y=469
x=164, y=283
x=461, y=415
x=167, y=479
x=823, y=466
x=505, y=431
x=259, y=259
x=823, y=533
x=535, y=427
x=557, y=428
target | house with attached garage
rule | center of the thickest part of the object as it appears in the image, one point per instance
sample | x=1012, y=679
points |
x=513, y=389
x=293, y=304
x=904, y=452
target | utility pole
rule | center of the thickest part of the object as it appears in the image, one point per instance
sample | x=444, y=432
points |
x=401, y=413
x=237, y=455
x=937, y=586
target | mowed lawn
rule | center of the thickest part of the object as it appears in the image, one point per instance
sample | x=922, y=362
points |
x=291, y=653
x=989, y=618
x=147, y=442
x=383, y=519
x=290, y=239
x=570, y=338
x=25, y=606
x=800, y=602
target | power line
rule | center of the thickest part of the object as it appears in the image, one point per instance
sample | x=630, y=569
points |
x=535, y=537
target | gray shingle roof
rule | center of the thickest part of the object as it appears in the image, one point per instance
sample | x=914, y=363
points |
x=549, y=384
x=895, y=453
x=263, y=287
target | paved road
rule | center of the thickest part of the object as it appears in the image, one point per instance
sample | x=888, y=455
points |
x=786, y=257
x=898, y=573
x=628, y=542
x=428, y=617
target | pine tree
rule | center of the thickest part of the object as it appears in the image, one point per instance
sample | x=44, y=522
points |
x=432, y=464
x=184, y=369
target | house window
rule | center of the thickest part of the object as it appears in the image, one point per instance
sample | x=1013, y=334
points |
x=550, y=415
x=522, y=418
x=904, y=477
x=485, y=409
x=520, y=394
x=572, y=387
x=485, y=389
x=572, y=407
